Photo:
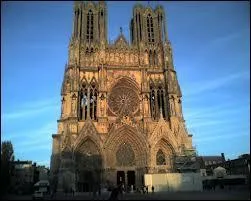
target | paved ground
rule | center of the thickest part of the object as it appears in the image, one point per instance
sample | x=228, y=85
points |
x=205, y=195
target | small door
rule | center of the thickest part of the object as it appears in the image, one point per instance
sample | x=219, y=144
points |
x=120, y=177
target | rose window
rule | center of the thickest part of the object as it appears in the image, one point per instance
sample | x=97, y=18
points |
x=123, y=100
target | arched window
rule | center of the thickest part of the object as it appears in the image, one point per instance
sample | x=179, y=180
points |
x=161, y=101
x=160, y=158
x=76, y=22
x=140, y=33
x=152, y=101
x=93, y=100
x=84, y=101
x=89, y=26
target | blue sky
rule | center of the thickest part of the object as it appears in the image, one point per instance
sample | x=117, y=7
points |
x=211, y=48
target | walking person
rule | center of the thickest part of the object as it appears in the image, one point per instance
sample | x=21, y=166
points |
x=152, y=189
x=115, y=193
x=146, y=189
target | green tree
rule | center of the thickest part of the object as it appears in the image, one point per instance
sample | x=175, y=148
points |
x=7, y=157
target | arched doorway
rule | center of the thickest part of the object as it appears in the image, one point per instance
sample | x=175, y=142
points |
x=126, y=156
x=125, y=162
x=88, y=165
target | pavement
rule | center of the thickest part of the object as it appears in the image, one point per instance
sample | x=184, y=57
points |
x=226, y=194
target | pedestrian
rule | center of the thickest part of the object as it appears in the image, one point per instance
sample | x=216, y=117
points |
x=73, y=191
x=114, y=194
x=99, y=190
x=146, y=189
x=152, y=189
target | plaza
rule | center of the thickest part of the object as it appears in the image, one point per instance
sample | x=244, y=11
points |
x=239, y=193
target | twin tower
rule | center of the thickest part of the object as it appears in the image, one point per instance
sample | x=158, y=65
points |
x=121, y=113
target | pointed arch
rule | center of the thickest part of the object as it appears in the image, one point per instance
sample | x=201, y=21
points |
x=88, y=132
x=126, y=134
x=164, y=153
x=161, y=100
x=89, y=161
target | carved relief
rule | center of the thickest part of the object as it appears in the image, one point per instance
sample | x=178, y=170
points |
x=73, y=128
x=125, y=155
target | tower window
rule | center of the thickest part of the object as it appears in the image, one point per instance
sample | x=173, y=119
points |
x=89, y=26
x=152, y=101
x=88, y=101
x=157, y=101
x=83, y=102
x=150, y=28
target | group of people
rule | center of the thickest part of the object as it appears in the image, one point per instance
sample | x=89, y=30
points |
x=144, y=189
x=120, y=190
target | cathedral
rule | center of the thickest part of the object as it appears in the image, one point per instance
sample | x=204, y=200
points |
x=121, y=108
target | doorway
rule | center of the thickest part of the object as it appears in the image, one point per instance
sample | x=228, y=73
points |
x=120, y=177
x=85, y=182
x=131, y=179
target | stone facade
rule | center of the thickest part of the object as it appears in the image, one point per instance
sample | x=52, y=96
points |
x=121, y=113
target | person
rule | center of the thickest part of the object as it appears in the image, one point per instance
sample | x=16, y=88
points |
x=73, y=191
x=143, y=189
x=115, y=192
x=99, y=190
x=153, y=189
x=146, y=189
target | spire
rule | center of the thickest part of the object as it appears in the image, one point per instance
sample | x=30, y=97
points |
x=121, y=31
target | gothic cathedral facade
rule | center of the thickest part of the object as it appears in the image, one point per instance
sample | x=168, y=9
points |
x=121, y=114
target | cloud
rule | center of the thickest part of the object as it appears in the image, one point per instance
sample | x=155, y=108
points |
x=207, y=123
x=226, y=38
x=30, y=109
x=215, y=112
x=217, y=137
x=215, y=84
x=38, y=135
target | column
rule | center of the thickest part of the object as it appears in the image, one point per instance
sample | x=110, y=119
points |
x=88, y=103
x=156, y=104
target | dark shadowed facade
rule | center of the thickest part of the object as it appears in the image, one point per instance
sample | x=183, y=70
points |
x=121, y=111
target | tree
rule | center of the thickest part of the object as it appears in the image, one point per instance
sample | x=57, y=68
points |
x=7, y=157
